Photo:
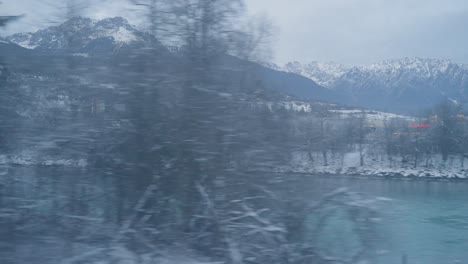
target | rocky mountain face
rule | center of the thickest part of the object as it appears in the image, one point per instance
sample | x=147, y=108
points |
x=405, y=85
x=408, y=73
x=86, y=35
x=325, y=74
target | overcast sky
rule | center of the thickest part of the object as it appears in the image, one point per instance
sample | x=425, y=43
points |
x=345, y=31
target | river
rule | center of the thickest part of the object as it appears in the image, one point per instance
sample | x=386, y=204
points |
x=426, y=220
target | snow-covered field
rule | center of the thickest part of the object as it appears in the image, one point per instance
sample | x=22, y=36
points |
x=375, y=118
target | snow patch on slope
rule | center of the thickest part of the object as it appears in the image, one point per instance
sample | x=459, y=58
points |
x=375, y=118
x=119, y=34
x=324, y=74
x=24, y=40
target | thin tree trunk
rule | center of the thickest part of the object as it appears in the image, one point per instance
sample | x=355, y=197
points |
x=361, y=155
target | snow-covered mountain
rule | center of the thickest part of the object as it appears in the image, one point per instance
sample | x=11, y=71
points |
x=83, y=35
x=391, y=73
x=408, y=73
x=395, y=85
x=405, y=84
x=325, y=74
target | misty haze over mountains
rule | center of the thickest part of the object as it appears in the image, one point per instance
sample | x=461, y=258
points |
x=409, y=85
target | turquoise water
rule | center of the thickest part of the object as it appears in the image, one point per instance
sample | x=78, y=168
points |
x=426, y=220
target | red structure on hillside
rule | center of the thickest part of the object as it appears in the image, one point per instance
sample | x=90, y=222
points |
x=419, y=125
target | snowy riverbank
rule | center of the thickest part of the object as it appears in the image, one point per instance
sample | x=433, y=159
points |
x=349, y=164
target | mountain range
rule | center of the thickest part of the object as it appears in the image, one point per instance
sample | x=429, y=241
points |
x=115, y=39
x=404, y=86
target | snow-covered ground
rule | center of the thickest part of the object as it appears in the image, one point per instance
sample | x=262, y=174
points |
x=28, y=159
x=376, y=166
x=375, y=118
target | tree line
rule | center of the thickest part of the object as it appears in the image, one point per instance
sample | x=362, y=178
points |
x=433, y=139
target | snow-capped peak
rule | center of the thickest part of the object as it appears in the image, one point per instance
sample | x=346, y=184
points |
x=80, y=34
x=328, y=74
x=117, y=28
x=420, y=66
x=325, y=74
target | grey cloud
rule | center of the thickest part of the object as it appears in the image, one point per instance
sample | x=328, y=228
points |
x=364, y=31
x=347, y=31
